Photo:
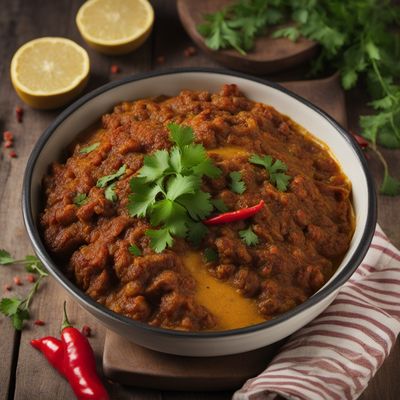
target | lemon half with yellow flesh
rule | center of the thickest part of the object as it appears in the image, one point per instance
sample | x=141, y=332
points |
x=49, y=72
x=115, y=26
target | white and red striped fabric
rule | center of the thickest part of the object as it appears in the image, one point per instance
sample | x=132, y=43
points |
x=335, y=356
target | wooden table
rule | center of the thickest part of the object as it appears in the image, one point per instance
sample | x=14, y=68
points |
x=24, y=374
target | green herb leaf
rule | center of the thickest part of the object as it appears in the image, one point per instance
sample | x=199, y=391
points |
x=110, y=194
x=90, y=148
x=154, y=166
x=5, y=257
x=14, y=308
x=220, y=205
x=249, y=237
x=133, y=249
x=103, y=181
x=197, y=232
x=34, y=265
x=181, y=135
x=167, y=190
x=210, y=255
x=237, y=185
x=160, y=239
x=390, y=185
x=275, y=170
x=80, y=199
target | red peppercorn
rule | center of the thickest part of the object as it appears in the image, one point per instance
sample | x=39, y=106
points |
x=39, y=322
x=160, y=60
x=31, y=278
x=86, y=331
x=8, y=136
x=12, y=154
x=8, y=288
x=19, y=112
x=190, y=51
x=8, y=144
x=17, y=280
x=115, y=69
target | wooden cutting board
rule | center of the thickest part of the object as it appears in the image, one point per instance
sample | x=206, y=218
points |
x=131, y=364
x=268, y=55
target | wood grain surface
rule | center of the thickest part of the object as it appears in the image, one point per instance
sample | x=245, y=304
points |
x=24, y=373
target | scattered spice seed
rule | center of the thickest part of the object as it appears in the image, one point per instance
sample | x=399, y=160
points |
x=160, y=60
x=8, y=288
x=17, y=280
x=31, y=278
x=115, y=69
x=12, y=154
x=190, y=51
x=19, y=112
x=8, y=144
x=8, y=136
x=39, y=322
x=86, y=331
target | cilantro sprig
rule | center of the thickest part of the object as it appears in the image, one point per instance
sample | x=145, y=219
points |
x=237, y=185
x=276, y=170
x=109, y=183
x=80, y=199
x=359, y=38
x=167, y=190
x=17, y=309
x=249, y=237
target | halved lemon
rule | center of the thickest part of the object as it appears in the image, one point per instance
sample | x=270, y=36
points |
x=115, y=26
x=49, y=72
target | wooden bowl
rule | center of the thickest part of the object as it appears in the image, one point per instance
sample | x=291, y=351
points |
x=268, y=55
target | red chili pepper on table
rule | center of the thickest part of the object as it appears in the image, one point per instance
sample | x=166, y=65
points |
x=73, y=357
x=237, y=215
x=80, y=364
x=53, y=350
x=362, y=142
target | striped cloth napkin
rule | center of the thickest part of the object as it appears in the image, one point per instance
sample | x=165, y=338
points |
x=336, y=355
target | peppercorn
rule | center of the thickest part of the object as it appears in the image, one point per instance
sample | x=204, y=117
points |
x=19, y=112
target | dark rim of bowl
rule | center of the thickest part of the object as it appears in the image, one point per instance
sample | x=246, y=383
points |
x=39, y=248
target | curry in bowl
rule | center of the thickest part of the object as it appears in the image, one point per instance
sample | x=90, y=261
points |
x=203, y=211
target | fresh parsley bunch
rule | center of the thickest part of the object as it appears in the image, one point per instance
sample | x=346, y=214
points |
x=359, y=38
x=167, y=190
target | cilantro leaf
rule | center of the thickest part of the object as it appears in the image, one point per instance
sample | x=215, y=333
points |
x=390, y=185
x=197, y=204
x=34, y=265
x=90, y=148
x=103, y=181
x=110, y=194
x=207, y=168
x=197, y=232
x=167, y=190
x=219, y=205
x=160, y=239
x=249, y=237
x=181, y=135
x=210, y=255
x=276, y=170
x=237, y=185
x=80, y=199
x=5, y=257
x=134, y=250
x=141, y=200
x=154, y=165
x=179, y=185
x=15, y=309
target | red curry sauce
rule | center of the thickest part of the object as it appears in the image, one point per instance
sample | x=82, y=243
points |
x=303, y=232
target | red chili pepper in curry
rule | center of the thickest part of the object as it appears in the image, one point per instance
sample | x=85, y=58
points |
x=73, y=357
x=237, y=215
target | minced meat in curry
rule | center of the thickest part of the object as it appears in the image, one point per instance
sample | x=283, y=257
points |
x=241, y=272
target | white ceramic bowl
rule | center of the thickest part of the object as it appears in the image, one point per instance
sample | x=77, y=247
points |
x=88, y=109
